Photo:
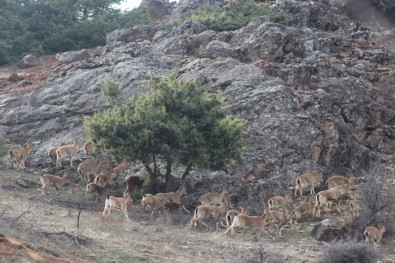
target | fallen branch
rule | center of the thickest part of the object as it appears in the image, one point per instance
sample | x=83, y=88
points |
x=78, y=219
x=27, y=210
x=78, y=225
x=5, y=208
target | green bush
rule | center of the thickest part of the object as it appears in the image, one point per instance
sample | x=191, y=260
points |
x=169, y=26
x=153, y=187
x=236, y=15
x=4, y=147
x=350, y=252
x=137, y=194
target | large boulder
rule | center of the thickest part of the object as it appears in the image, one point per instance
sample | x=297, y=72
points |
x=328, y=231
x=29, y=61
x=72, y=56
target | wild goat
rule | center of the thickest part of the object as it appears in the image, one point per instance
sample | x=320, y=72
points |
x=304, y=208
x=175, y=197
x=341, y=181
x=355, y=207
x=277, y=202
x=153, y=202
x=86, y=169
x=232, y=213
x=245, y=221
x=250, y=176
x=53, y=180
x=118, y=203
x=133, y=182
x=104, y=178
x=215, y=198
x=88, y=148
x=52, y=152
x=117, y=170
x=97, y=189
x=326, y=198
x=67, y=151
x=280, y=218
x=373, y=234
x=19, y=154
x=307, y=179
x=203, y=211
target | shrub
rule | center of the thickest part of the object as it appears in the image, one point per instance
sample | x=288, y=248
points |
x=376, y=196
x=4, y=147
x=152, y=187
x=235, y=15
x=137, y=194
x=349, y=252
x=169, y=26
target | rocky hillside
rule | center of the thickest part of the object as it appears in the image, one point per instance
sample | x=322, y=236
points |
x=317, y=94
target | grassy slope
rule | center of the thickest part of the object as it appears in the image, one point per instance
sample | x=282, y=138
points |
x=50, y=225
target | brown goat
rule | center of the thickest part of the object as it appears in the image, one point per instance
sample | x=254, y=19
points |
x=97, y=189
x=307, y=179
x=373, y=234
x=88, y=148
x=118, y=204
x=67, y=151
x=86, y=169
x=203, y=211
x=175, y=197
x=105, y=178
x=133, y=182
x=304, y=208
x=246, y=221
x=153, y=202
x=230, y=215
x=19, y=154
x=53, y=180
x=280, y=218
x=326, y=198
x=277, y=201
x=346, y=183
x=215, y=198
x=120, y=168
x=52, y=152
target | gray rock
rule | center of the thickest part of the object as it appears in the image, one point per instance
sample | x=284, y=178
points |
x=29, y=61
x=328, y=231
x=72, y=56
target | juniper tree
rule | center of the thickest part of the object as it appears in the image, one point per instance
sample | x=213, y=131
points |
x=176, y=123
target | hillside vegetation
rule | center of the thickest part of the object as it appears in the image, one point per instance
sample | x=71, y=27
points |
x=254, y=110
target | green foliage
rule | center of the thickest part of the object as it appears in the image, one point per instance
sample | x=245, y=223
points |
x=4, y=147
x=385, y=5
x=42, y=27
x=177, y=123
x=169, y=26
x=113, y=91
x=137, y=16
x=235, y=15
x=151, y=185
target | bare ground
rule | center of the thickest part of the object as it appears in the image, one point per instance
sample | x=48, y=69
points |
x=46, y=227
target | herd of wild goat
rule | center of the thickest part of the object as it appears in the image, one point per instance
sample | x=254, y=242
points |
x=281, y=210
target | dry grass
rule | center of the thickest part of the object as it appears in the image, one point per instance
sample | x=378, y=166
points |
x=48, y=226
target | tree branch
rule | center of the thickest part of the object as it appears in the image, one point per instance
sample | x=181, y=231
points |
x=187, y=170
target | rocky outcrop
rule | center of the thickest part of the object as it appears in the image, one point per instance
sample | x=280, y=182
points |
x=29, y=61
x=72, y=56
x=316, y=95
x=328, y=231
